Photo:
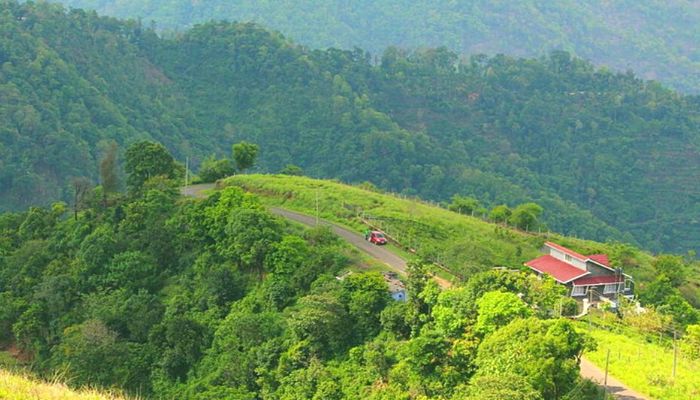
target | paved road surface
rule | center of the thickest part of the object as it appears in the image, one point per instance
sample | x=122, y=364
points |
x=197, y=190
x=378, y=252
x=617, y=388
x=588, y=370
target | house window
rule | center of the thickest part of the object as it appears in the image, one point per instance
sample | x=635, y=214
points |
x=610, y=288
x=579, y=291
x=568, y=258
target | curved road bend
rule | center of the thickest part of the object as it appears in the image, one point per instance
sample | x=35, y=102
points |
x=588, y=370
x=197, y=190
x=380, y=253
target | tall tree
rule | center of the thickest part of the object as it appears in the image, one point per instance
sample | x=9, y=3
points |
x=244, y=154
x=81, y=186
x=145, y=160
x=109, y=177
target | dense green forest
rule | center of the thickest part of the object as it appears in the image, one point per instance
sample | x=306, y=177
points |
x=166, y=297
x=607, y=155
x=658, y=39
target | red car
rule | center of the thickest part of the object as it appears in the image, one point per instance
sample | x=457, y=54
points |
x=376, y=237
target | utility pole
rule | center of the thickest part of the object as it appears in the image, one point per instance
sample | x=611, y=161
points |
x=316, y=206
x=675, y=353
x=607, y=362
x=561, y=300
x=187, y=170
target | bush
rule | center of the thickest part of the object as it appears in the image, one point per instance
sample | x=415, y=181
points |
x=213, y=169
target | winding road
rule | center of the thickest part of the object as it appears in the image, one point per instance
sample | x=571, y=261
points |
x=588, y=370
x=377, y=252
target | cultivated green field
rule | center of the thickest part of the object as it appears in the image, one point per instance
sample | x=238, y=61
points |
x=462, y=243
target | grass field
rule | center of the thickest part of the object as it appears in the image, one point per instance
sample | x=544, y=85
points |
x=464, y=244
x=14, y=386
x=646, y=366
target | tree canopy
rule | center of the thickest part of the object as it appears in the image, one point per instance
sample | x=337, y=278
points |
x=597, y=150
x=655, y=38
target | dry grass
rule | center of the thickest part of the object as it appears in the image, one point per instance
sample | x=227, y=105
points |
x=15, y=386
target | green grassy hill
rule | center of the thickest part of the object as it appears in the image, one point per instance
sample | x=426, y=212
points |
x=463, y=243
x=646, y=364
x=640, y=352
x=641, y=345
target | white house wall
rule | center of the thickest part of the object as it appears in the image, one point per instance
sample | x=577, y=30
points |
x=560, y=255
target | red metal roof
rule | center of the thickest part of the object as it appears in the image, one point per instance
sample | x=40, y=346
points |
x=567, y=251
x=600, y=259
x=557, y=269
x=598, y=280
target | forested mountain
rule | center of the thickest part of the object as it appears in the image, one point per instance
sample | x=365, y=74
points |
x=597, y=149
x=657, y=39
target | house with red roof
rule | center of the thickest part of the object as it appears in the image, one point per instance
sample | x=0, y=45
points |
x=590, y=277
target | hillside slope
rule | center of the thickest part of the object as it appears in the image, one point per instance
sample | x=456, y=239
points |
x=599, y=151
x=70, y=84
x=655, y=38
x=465, y=244
x=216, y=298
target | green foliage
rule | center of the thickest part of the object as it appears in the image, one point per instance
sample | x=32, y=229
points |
x=146, y=160
x=250, y=235
x=245, y=154
x=132, y=270
x=519, y=347
x=366, y=295
x=682, y=312
x=109, y=176
x=673, y=267
x=463, y=204
x=497, y=387
x=500, y=214
x=668, y=299
x=212, y=169
x=655, y=38
x=215, y=297
x=321, y=321
x=691, y=341
x=657, y=291
x=291, y=169
x=554, y=131
x=497, y=309
x=526, y=216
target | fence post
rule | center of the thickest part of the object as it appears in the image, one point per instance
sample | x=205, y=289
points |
x=607, y=362
x=675, y=354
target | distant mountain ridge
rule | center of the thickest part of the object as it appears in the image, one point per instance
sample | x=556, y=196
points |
x=656, y=39
x=610, y=157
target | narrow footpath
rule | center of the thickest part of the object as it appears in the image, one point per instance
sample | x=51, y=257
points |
x=588, y=370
